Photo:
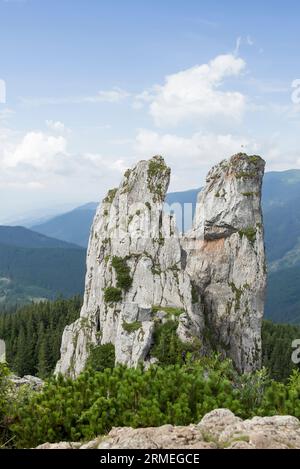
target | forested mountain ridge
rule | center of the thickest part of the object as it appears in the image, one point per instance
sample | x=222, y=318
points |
x=73, y=226
x=19, y=236
x=34, y=267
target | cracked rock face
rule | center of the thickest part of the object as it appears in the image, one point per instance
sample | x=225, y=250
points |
x=138, y=268
x=226, y=258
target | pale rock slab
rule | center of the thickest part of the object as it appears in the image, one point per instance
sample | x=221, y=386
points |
x=219, y=429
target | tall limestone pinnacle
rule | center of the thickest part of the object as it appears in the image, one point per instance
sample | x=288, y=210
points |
x=226, y=258
x=140, y=272
x=134, y=266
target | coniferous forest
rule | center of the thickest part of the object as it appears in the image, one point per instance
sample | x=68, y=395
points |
x=33, y=335
x=33, y=338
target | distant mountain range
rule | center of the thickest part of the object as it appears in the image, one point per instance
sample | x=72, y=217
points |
x=34, y=267
x=73, y=226
x=62, y=241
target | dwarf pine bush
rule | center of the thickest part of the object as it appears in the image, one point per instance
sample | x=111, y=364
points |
x=73, y=410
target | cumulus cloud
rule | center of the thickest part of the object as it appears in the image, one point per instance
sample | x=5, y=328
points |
x=42, y=161
x=56, y=126
x=196, y=93
x=37, y=150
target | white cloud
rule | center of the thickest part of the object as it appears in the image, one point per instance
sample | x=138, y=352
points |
x=111, y=96
x=189, y=157
x=37, y=150
x=199, y=149
x=115, y=95
x=196, y=93
x=39, y=161
x=56, y=126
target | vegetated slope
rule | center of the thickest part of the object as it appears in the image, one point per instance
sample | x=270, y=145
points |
x=282, y=228
x=34, y=267
x=283, y=297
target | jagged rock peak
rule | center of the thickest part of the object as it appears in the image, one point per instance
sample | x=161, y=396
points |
x=226, y=258
x=231, y=199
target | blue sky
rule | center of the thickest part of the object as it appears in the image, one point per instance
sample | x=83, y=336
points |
x=92, y=86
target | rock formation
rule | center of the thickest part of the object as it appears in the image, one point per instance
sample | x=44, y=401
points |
x=135, y=266
x=219, y=429
x=32, y=382
x=140, y=273
x=226, y=259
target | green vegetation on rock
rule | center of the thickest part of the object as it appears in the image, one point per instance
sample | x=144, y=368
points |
x=110, y=196
x=168, y=309
x=250, y=233
x=112, y=295
x=124, y=280
x=131, y=326
x=156, y=170
x=246, y=175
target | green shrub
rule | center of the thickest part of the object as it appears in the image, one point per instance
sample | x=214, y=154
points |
x=168, y=348
x=168, y=310
x=101, y=357
x=92, y=404
x=131, y=326
x=110, y=196
x=4, y=400
x=250, y=233
x=112, y=295
x=157, y=170
x=124, y=280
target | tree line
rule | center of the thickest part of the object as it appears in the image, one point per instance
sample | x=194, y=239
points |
x=33, y=337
